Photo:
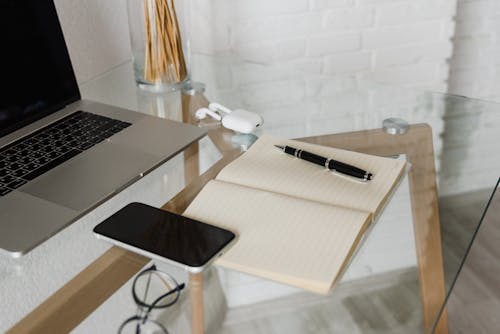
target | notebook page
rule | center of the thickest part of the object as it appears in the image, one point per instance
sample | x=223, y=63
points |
x=290, y=240
x=266, y=167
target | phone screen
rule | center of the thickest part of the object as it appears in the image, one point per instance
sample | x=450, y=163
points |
x=165, y=234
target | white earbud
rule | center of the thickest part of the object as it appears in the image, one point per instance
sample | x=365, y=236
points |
x=219, y=107
x=203, y=112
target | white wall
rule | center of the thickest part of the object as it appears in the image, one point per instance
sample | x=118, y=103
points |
x=401, y=41
x=475, y=65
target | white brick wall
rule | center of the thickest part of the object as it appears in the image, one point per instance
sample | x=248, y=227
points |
x=348, y=62
x=415, y=11
x=405, y=42
x=412, y=33
x=328, y=44
x=413, y=54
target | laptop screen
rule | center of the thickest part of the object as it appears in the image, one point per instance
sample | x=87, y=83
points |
x=36, y=73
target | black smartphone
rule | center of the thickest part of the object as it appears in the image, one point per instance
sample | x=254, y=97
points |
x=165, y=236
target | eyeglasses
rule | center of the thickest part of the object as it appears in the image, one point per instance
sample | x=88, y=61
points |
x=151, y=289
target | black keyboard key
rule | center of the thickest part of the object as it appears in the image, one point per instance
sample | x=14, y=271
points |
x=3, y=164
x=31, y=166
x=52, y=131
x=7, y=179
x=102, y=136
x=23, y=153
x=30, y=141
x=61, y=126
x=42, y=160
x=66, y=139
x=106, y=126
x=101, y=122
x=52, y=164
x=124, y=124
x=14, y=166
x=96, y=140
x=115, y=129
x=72, y=120
x=87, y=137
x=4, y=191
x=16, y=184
x=83, y=130
x=9, y=152
x=59, y=143
x=45, y=142
x=78, y=117
x=64, y=149
x=85, y=146
x=20, y=173
x=83, y=116
x=37, y=155
x=108, y=133
x=54, y=154
x=25, y=160
x=4, y=172
x=73, y=143
x=11, y=159
x=35, y=147
x=94, y=133
x=48, y=149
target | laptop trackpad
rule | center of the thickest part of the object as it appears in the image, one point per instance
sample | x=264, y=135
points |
x=91, y=176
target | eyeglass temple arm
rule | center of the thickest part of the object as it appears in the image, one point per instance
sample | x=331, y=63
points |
x=178, y=288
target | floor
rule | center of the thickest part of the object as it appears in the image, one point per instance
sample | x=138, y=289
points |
x=364, y=306
x=388, y=303
x=474, y=304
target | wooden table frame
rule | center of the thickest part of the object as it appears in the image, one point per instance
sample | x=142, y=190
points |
x=71, y=304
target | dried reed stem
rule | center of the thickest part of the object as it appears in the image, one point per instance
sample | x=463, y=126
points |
x=164, y=57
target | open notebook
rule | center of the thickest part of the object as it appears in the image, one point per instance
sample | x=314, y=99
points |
x=297, y=222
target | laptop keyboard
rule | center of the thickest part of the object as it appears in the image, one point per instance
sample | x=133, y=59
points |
x=31, y=156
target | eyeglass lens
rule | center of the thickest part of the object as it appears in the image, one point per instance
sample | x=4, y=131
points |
x=154, y=284
x=138, y=325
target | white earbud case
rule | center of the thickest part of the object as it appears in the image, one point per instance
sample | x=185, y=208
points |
x=242, y=121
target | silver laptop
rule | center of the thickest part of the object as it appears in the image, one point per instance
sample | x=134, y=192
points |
x=60, y=156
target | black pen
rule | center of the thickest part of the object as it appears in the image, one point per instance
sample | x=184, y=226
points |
x=330, y=164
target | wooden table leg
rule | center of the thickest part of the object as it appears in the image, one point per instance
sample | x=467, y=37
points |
x=191, y=163
x=196, y=299
x=427, y=229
